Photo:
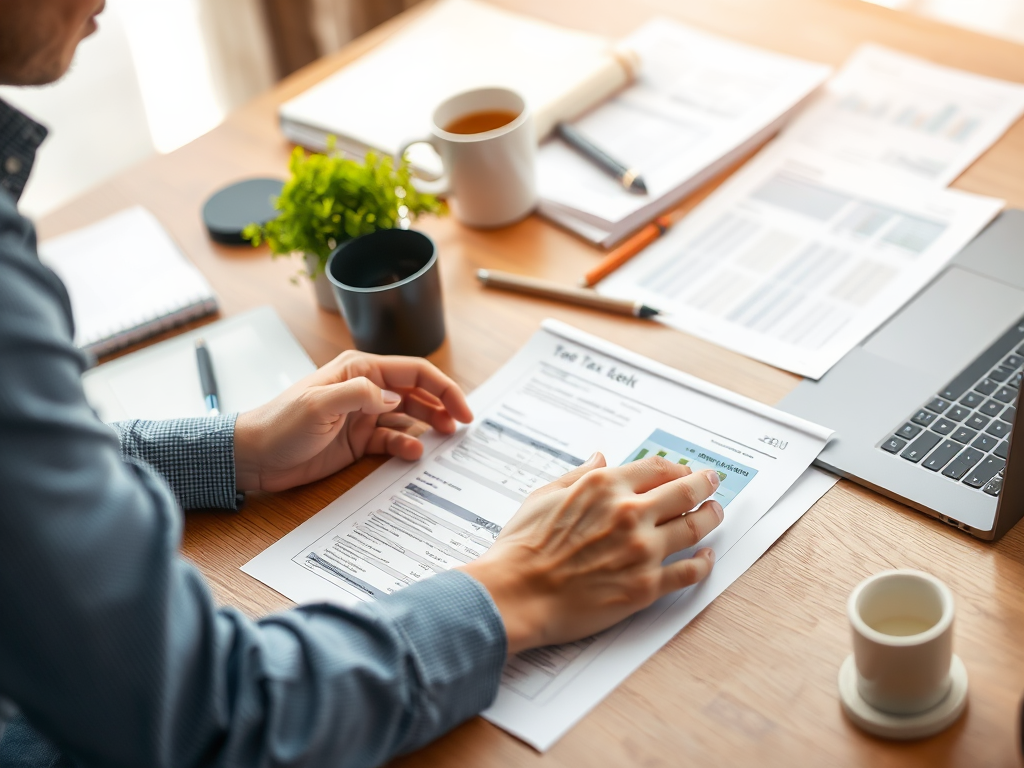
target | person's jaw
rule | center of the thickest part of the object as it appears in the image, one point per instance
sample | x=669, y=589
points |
x=44, y=37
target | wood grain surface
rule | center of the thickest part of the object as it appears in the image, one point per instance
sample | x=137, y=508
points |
x=753, y=679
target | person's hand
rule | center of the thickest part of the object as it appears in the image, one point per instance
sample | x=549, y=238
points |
x=586, y=551
x=355, y=405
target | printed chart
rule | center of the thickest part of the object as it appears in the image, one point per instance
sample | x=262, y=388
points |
x=734, y=476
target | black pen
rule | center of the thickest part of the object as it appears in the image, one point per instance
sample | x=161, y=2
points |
x=207, y=378
x=628, y=177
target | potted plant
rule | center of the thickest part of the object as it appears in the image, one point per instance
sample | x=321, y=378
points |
x=330, y=199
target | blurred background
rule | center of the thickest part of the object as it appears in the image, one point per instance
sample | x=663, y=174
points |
x=162, y=72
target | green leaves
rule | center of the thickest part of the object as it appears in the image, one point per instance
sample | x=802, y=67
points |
x=330, y=199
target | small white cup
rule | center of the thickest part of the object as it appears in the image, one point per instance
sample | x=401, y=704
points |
x=492, y=174
x=902, y=625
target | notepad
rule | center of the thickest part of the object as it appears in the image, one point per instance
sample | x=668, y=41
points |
x=387, y=97
x=127, y=280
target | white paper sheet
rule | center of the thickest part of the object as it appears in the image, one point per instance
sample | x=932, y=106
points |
x=796, y=259
x=563, y=396
x=699, y=100
x=584, y=679
x=903, y=118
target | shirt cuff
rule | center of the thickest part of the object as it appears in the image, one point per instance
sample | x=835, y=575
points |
x=195, y=456
x=458, y=640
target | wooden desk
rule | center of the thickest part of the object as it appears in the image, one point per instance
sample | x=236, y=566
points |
x=752, y=680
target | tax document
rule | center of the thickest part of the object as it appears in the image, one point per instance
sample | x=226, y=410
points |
x=906, y=119
x=564, y=395
x=700, y=101
x=797, y=258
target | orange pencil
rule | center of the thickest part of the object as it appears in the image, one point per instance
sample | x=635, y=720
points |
x=627, y=250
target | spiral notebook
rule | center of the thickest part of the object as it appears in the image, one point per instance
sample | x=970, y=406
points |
x=127, y=280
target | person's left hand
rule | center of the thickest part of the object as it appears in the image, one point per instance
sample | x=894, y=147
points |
x=356, y=404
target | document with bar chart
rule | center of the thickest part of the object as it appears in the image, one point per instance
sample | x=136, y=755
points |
x=565, y=395
x=906, y=119
x=798, y=258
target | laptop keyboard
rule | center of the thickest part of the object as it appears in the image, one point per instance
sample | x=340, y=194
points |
x=963, y=432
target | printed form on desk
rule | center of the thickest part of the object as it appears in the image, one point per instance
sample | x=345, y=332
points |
x=798, y=258
x=563, y=396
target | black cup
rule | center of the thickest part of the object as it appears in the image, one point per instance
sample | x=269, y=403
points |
x=389, y=291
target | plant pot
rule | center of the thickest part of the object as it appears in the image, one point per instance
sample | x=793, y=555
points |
x=321, y=285
x=389, y=289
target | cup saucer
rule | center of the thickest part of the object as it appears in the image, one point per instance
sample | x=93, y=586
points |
x=903, y=727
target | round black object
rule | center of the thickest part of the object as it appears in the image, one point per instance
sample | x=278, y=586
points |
x=233, y=208
x=389, y=290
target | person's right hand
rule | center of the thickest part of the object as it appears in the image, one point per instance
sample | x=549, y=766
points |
x=586, y=551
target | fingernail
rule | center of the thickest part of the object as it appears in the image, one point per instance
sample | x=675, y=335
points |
x=713, y=477
x=717, y=508
x=711, y=555
x=389, y=397
x=592, y=459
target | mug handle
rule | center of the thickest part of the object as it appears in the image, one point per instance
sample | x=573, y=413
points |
x=439, y=185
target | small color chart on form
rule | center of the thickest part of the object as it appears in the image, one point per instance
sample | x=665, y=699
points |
x=734, y=476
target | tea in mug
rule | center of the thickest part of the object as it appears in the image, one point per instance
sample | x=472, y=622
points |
x=482, y=121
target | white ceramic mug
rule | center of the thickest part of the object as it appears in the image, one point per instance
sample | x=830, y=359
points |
x=491, y=175
x=902, y=625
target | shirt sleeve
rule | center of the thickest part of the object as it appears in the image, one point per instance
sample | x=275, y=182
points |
x=195, y=456
x=111, y=644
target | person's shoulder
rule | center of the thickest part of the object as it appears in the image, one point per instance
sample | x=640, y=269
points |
x=9, y=214
x=26, y=284
x=17, y=235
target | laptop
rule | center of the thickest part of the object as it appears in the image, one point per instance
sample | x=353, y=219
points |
x=925, y=408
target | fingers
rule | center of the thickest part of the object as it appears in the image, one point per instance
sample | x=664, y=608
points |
x=596, y=461
x=684, y=531
x=684, y=573
x=398, y=373
x=432, y=413
x=675, y=497
x=359, y=394
x=394, y=443
x=416, y=373
x=646, y=474
x=401, y=422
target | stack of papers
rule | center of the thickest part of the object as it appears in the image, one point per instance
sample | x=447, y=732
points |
x=838, y=222
x=565, y=395
x=700, y=103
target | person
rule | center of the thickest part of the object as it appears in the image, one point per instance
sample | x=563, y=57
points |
x=112, y=651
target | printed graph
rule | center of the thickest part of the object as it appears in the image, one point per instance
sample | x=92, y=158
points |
x=734, y=476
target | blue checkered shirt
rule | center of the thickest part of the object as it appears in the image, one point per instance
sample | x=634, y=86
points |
x=196, y=457
x=112, y=649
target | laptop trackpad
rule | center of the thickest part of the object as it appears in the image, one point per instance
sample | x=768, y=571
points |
x=928, y=336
